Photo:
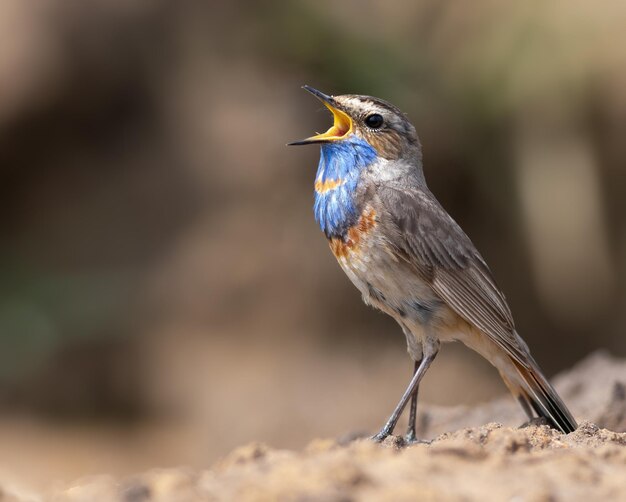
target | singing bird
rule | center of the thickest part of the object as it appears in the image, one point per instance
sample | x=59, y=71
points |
x=409, y=258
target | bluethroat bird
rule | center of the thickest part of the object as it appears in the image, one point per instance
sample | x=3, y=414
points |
x=410, y=259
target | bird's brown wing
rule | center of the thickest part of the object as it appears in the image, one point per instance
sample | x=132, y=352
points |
x=426, y=236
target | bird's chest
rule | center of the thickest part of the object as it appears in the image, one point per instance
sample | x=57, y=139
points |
x=352, y=223
x=385, y=281
x=363, y=254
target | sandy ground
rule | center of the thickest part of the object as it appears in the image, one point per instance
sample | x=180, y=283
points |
x=475, y=462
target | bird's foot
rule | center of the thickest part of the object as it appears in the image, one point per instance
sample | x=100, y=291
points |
x=397, y=441
x=386, y=431
x=380, y=437
x=410, y=439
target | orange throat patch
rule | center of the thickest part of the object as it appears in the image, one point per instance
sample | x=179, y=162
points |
x=327, y=185
x=350, y=243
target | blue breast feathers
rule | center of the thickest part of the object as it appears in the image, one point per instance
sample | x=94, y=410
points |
x=341, y=163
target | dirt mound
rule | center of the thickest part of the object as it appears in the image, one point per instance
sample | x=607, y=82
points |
x=483, y=462
x=490, y=462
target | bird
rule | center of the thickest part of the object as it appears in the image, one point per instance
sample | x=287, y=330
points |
x=410, y=259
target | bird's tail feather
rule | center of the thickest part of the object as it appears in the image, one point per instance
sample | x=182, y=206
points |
x=535, y=392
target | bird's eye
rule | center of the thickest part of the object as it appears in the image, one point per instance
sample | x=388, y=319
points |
x=374, y=121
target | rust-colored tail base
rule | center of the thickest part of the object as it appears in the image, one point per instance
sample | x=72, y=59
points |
x=535, y=393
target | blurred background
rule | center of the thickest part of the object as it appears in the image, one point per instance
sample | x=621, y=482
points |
x=165, y=293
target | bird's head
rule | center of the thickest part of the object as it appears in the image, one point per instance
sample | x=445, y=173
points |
x=364, y=118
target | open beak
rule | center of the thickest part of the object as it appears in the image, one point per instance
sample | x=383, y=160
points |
x=342, y=123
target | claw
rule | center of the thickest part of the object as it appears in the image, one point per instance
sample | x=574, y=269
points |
x=410, y=437
x=380, y=437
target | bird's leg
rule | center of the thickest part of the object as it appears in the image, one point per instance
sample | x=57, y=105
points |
x=411, y=436
x=430, y=352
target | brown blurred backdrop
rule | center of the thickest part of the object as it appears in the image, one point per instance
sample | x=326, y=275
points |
x=165, y=293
